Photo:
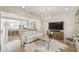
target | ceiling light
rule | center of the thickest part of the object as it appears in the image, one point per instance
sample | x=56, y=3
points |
x=23, y=6
x=66, y=9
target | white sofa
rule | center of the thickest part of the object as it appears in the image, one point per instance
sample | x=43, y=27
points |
x=30, y=36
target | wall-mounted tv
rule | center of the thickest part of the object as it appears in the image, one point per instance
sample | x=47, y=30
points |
x=56, y=25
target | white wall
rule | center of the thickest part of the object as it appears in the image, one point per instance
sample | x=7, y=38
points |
x=0, y=34
x=69, y=23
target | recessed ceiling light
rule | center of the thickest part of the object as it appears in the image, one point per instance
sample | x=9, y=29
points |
x=23, y=6
x=66, y=9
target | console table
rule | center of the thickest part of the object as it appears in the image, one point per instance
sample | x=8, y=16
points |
x=57, y=34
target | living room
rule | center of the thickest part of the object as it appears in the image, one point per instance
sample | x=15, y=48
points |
x=39, y=29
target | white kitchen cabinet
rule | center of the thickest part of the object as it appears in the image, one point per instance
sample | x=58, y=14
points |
x=10, y=24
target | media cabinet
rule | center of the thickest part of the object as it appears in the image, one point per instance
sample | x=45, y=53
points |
x=57, y=34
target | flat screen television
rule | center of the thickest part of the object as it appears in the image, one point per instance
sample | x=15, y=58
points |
x=56, y=25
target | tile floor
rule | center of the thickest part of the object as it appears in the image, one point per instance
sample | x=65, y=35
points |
x=42, y=46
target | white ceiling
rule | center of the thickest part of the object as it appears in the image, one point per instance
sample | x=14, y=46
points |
x=36, y=11
x=53, y=10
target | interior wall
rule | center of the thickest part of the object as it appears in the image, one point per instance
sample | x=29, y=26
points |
x=69, y=23
x=0, y=34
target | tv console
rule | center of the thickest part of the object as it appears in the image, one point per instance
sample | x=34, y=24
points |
x=57, y=34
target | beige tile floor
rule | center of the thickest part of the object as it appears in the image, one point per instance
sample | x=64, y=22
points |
x=42, y=46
